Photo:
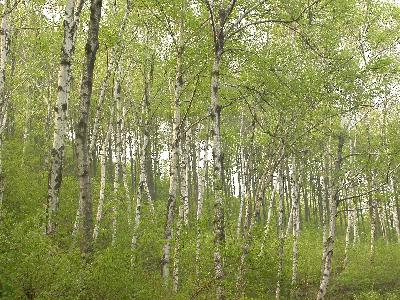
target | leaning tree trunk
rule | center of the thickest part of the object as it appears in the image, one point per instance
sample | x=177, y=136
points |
x=82, y=131
x=327, y=263
x=71, y=19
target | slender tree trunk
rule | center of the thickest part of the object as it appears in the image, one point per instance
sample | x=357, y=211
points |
x=71, y=20
x=383, y=222
x=25, y=136
x=296, y=228
x=241, y=191
x=132, y=161
x=143, y=184
x=332, y=221
x=124, y=174
x=103, y=158
x=306, y=200
x=246, y=242
x=200, y=200
x=351, y=216
x=219, y=228
x=193, y=164
x=147, y=163
x=395, y=214
x=372, y=216
x=178, y=246
x=118, y=163
x=268, y=221
x=281, y=236
x=82, y=132
x=143, y=189
x=240, y=169
x=325, y=205
x=4, y=37
x=114, y=59
x=347, y=238
x=184, y=176
x=174, y=159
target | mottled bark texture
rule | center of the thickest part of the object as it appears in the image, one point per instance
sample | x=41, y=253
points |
x=82, y=130
x=174, y=160
x=334, y=199
x=71, y=19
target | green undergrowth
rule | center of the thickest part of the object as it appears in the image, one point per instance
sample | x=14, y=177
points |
x=33, y=266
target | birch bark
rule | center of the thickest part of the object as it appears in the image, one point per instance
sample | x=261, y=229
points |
x=103, y=160
x=184, y=176
x=296, y=227
x=174, y=166
x=178, y=245
x=118, y=163
x=71, y=19
x=200, y=200
x=281, y=236
x=327, y=263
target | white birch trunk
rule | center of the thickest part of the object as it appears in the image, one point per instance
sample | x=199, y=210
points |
x=142, y=189
x=396, y=222
x=268, y=222
x=348, y=231
x=281, y=237
x=178, y=245
x=200, y=200
x=327, y=191
x=296, y=227
x=382, y=221
x=240, y=170
x=118, y=145
x=332, y=221
x=174, y=163
x=71, y=20
x=184, y=176
x=25, y=136
x=103, y=160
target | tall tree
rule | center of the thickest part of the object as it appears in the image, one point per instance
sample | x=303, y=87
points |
x=71, y=19
x=3, y=101
x=82, y=130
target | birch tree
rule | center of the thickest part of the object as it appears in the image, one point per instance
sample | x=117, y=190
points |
x=71, y=20
x=82, y=131
x=175, y=148
x=327, y=262
x=3, y=101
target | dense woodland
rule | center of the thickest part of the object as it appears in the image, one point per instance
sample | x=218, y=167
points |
x=200, y=149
